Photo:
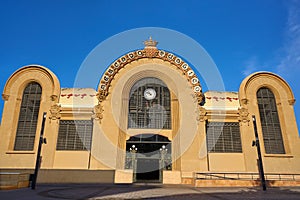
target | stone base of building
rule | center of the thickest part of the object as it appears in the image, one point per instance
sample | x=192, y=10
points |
x=124, y=176
x=243, y=183
x=13, y=180
x=19, y=178
x=171, y=177
x=75, y=176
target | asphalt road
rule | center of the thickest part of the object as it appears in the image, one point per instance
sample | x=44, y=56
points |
x=146, y=191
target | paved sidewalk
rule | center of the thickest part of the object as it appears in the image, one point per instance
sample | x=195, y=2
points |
x=146, y=191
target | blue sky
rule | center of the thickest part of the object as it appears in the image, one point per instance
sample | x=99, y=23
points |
x=240, y=36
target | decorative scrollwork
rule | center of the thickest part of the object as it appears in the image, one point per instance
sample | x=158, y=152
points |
x=243, y=115
x=201, y=114
x=55, y=112
x=101, y=95
x=98, y=112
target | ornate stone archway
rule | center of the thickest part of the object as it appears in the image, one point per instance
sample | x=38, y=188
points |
x=150, y=51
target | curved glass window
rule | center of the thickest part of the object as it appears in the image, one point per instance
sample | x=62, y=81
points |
x=270, y=122
x=149, y=105
x=28, y=117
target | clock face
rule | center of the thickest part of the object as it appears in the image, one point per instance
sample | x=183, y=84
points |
x=149, y=94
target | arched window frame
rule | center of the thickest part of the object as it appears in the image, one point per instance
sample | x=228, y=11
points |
x=270, y=121
x=28, y=117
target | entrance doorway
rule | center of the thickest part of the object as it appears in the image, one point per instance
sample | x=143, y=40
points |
x=148, y=170
x=148, y=155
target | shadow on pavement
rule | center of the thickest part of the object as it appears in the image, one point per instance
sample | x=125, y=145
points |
x=246, y=193
x=79, y=192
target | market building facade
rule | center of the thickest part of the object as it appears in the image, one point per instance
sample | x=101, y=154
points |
x=148, y=121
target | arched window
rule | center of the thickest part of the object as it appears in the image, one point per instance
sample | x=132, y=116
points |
x=28, y=117
x=270, y=122
x=149, y=105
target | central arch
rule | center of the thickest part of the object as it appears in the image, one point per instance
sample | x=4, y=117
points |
x=150, y=52
x=148, y=154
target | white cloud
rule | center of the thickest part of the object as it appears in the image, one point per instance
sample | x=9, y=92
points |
x=251, y=65
x=290, y=59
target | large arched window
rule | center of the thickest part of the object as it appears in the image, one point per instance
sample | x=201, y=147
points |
x=28, y=117
x=270, y=122
x=149, y=105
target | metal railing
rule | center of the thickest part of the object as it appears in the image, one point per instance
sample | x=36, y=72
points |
x=246, y=176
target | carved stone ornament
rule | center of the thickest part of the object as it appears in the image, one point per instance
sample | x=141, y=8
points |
x=200, y=98
x=5, y=97
x=201, y=114
x=98, y=112
x=101, y=95
x=244, y=101
x=53, y=97
x=150, y=51
x=150, y=48
x=292, y=101
x=243, y=115
x=55, y=112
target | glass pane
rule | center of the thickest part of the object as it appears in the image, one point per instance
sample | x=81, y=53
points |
x=153, y=113
x=29, y=113
x=270, y=122
x=223, y=137
x=74, y=135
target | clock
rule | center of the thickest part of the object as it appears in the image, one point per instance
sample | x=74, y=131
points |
x=149, y=94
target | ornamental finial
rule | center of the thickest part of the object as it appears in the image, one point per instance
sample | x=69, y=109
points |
x=150, y=43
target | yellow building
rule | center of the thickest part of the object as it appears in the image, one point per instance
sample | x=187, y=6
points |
x=149, y=121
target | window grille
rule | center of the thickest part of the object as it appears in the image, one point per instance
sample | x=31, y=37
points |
x=223, y=137
x=270, y=122
x=149, y=114
x=28, y=117
x=74, y=135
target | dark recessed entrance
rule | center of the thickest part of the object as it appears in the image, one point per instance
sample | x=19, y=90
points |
x=148, y=155
x=148, y=170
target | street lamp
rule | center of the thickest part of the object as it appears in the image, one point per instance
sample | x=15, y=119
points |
x=260, y=163
x=163, y=151
x=42, y=141
x=133, y=149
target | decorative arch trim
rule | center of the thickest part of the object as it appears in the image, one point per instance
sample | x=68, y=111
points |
x=55, y=89
x=149, y=52
x=263, y=76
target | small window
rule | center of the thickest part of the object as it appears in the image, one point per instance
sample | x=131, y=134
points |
x=28, y=117
x=270, y=124
x=223, y=137
x=74, y=135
